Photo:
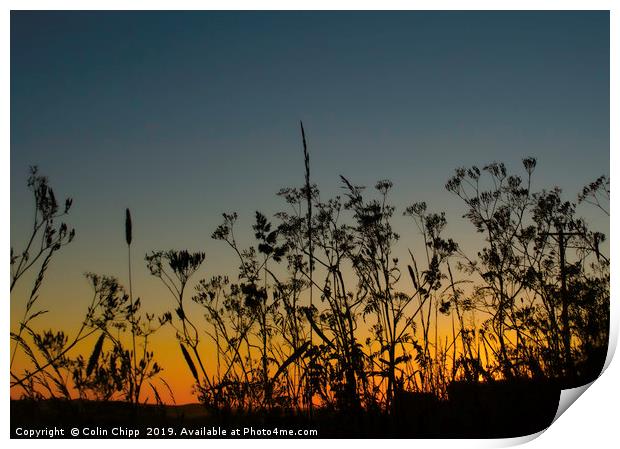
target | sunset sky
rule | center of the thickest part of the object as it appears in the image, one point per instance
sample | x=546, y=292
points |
x=183, y=116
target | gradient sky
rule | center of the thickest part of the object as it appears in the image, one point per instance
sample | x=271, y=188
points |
x=183, y=116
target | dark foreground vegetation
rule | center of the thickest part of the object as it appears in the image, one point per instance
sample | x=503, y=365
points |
x=323, y=322
x=495, y=410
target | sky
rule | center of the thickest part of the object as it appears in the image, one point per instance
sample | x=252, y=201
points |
x=182, y=116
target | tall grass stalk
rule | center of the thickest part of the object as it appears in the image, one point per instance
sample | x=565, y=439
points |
x=309, y=219
x=128, y=238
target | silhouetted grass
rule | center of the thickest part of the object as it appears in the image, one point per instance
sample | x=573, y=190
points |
x=529, y=314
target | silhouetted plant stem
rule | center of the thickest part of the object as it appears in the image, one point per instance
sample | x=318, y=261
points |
x=31, y=301
x=52, y=238
x=310, y=254
x=80, y=336
x=135, y=397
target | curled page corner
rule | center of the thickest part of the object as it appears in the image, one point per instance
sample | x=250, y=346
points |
x=517, y=441
x=568, y=397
